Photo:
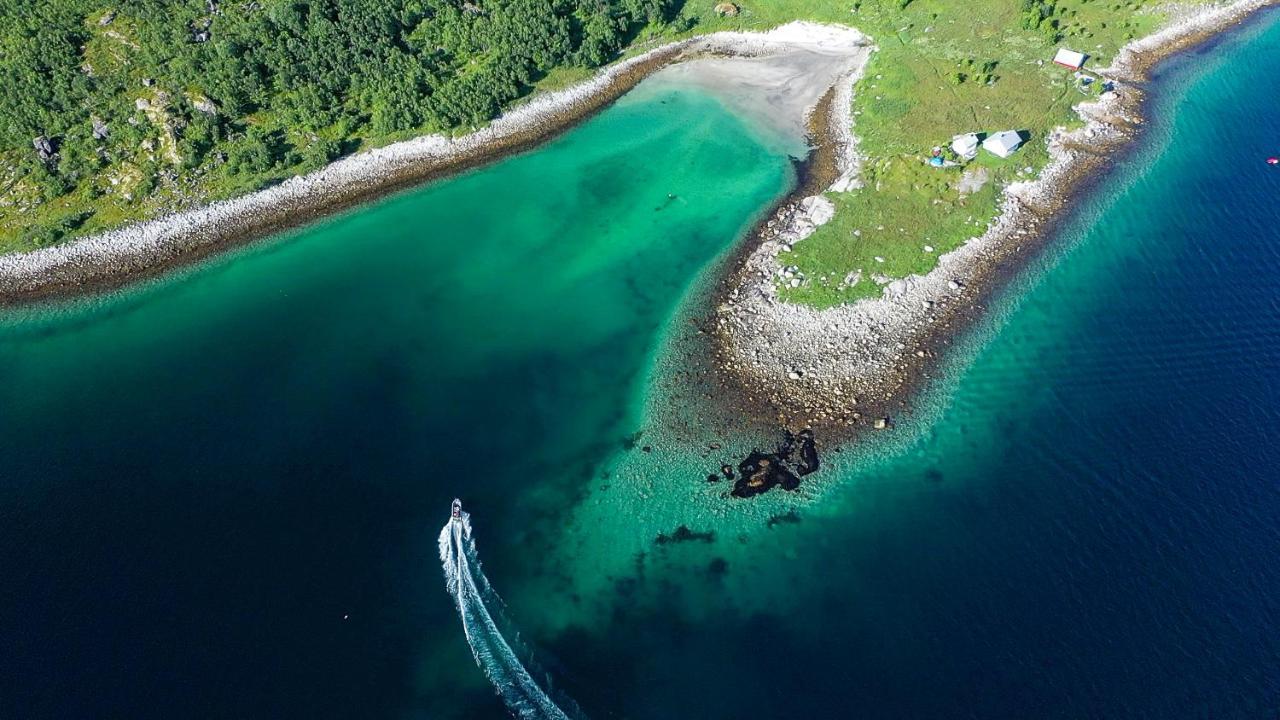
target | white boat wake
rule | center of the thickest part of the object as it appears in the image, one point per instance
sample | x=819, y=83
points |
x=477, y=604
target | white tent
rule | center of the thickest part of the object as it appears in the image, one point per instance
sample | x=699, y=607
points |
x=1003, y=143
x=966, y=146
x=1070, y=58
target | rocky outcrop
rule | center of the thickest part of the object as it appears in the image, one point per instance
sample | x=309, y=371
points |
x=204, y=105
x=760, y=472
x=44, y=148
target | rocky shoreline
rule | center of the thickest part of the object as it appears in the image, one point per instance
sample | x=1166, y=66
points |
x=858, y=368
x=117, y=257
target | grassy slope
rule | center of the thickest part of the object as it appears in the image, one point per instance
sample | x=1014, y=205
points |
x=906, y=104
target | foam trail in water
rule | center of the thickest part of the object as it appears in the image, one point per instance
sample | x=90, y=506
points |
x=473, y=596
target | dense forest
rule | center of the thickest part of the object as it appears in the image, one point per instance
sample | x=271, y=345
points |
x=100, y=98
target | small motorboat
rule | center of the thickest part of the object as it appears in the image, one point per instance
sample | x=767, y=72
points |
x=457, y=509
x=1273, y=160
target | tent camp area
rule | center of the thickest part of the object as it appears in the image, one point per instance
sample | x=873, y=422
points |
x=965, y=146
x=1070, y=59
x=1003, y=144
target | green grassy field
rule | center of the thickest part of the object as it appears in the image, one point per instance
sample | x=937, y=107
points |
x=942, y=68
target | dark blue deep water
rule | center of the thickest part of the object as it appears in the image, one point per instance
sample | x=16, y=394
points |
x=1088, y=526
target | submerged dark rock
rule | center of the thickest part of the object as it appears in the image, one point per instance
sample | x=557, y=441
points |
x=790, y=517
x=684, y=534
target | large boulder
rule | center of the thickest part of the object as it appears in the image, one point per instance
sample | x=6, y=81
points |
x=43, y=147
x=204, y=105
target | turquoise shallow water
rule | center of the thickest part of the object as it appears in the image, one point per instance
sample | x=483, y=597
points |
x=1083, y=526
x=203, y=477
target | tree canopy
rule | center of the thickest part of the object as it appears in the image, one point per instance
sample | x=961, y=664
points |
x=253, y=85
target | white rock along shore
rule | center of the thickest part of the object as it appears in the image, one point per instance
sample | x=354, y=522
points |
x=857, y=365
x=115, y=256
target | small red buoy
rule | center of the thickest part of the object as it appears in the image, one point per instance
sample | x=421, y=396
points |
x=1273, y=160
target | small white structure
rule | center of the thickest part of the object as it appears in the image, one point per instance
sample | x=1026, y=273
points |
x=1003, y=143
x=1070, y=58
x=966, y=146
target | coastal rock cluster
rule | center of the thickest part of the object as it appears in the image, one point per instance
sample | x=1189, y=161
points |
x=760, y=472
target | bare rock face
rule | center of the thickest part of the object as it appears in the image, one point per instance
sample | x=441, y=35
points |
x=43, y=147
x=727, y=10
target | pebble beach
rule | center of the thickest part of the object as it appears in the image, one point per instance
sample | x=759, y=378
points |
x=857, y=367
